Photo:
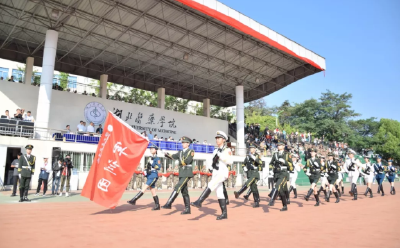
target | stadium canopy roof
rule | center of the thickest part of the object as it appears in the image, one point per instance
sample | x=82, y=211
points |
x=194, y=49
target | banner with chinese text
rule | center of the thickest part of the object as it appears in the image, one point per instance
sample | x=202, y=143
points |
x=117, y=157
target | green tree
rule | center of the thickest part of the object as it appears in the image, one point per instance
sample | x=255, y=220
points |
x=388, y=139
x=221, y=113
x=176, y=104
x=363, y=133
x=258, y=106
x=63, y=80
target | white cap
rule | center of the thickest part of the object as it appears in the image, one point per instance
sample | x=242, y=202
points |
x=351, y=151
x=221, y=134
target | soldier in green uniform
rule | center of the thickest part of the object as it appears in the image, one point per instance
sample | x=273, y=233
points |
x=281, y=163
x=313, y=171
x=26, y=169
x=185, y=158
x=252, y=163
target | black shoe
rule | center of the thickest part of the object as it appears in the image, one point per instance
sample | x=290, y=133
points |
x=284, y=208
x=307, y=197
x=13, y=195
x=256, y=200
x=156, y=203
x=273, y=196
x=202, y=197
x=238, y=193
x=370, y=192
x=186, y=201
x=26, y=196
x=391, y=190
x=247, y=195
x=337, y=197
x=295, y=193
x=383, y=193
x=226, y=196
x=284, y=202
x=171, y=200
x=394, y=191
x=328, y=196
x=21, y=195
x=134, y=199
x=317, y=200
x=222, y=205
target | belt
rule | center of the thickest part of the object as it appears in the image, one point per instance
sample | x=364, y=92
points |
x=283, y=167
x=26, y=167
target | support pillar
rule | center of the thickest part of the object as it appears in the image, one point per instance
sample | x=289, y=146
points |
x=240, y=120
x=206, y=107
x=103, y=86
x=46, y=81
x=161, y=98
x=28, y=70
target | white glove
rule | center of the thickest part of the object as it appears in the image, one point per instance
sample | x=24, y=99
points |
x=316, y=164
x=308, y=173
x=145, y=173
x=245, y=169
x=19, y=175
x=282, y=160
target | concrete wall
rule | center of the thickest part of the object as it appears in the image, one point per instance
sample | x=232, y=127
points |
x=69, y=108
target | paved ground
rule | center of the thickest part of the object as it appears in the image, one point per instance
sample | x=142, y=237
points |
x=77, y=222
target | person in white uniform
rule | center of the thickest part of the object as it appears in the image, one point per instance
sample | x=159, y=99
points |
x=324, y=178
x=293, y=174
x=367, y=171
x=351, y=166
x=339, y=181
x=222, y=157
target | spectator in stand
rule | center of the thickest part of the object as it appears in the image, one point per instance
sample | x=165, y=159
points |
x=171, y=139
x=18, y=115
x=284, y=134
x=99, y=130
x=67, y=129
x=66, y=174
x=14, y=164
x=150, y=136
x=80, y=127
x=11, y=79
x=29, y=117
x=45, y=170
x=84, y=127
x=205, y=142
x=7, y=114
x=155, y=137
x=56, y=176
x=90, y=128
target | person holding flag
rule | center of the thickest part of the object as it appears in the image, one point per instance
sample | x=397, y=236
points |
x=185, y=159
x=222, y=159
x=151, y=172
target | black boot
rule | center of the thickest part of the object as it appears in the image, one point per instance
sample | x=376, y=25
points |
x=328, y=195
x=284, y=203
x=270, y=193
x=295, y=193
x=287, y=197
x=337, y=197
x=310, y=191
x=222, y=205
x=256, y=200
x=320, y=189
x=391, y=190
x=202, y=197
x=366, y=192
x=325, y=193
x=355, y=192
x=226, y=196
x=379, y=189
x=238, y=193
x=170, y=200
x=351, y=192
x=290, y=189
x=394, y=191
x=186, y=200
x=370, y=192
x=21, y=195
x=383, y=193
x=342, y=190
x=273, y=196
x=156, y=203
x=247, y=195
x=26, y=196
x=317, y=200
x=134, y=199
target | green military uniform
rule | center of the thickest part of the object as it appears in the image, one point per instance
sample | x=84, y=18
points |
x=253, y=164
x=313, y=170
x=281, y=164
x=185, y=158
x=26, y=169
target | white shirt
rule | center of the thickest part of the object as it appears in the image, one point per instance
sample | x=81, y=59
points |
x=29, y=118
x=90, y=129
x=81, y=128
x=46, y=167
x=225, y=158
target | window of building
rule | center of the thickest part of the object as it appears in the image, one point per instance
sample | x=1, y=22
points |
x=56, y=79
x=18, y=75
x=82, y=161
x=72, y=82
x=4, y=73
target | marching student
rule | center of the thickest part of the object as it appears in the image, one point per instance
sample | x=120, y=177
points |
x=253, y=164
x=222, y=159
x=293, y=174
x=367, y=171
x=324, y=178
x=352, y=165
x=380, y=174
x=339, y=181
x=313, y=171
x=185, y=159
x=151, y=172
x=332, y=169
x=391, y=175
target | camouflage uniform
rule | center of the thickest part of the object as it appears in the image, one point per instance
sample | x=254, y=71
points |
x=196, y=178
x=228, y=181
x=139, y=179
x=131, y=183
x=169, y=179
x=176, y=178
x=203, y=177
x=234, y=176
x=159, y=183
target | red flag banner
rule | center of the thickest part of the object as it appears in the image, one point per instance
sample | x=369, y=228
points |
x=117, y=157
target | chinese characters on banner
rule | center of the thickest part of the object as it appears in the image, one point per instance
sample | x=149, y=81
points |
x=117, y=157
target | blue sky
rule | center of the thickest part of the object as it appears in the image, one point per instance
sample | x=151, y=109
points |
x=360, y=40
